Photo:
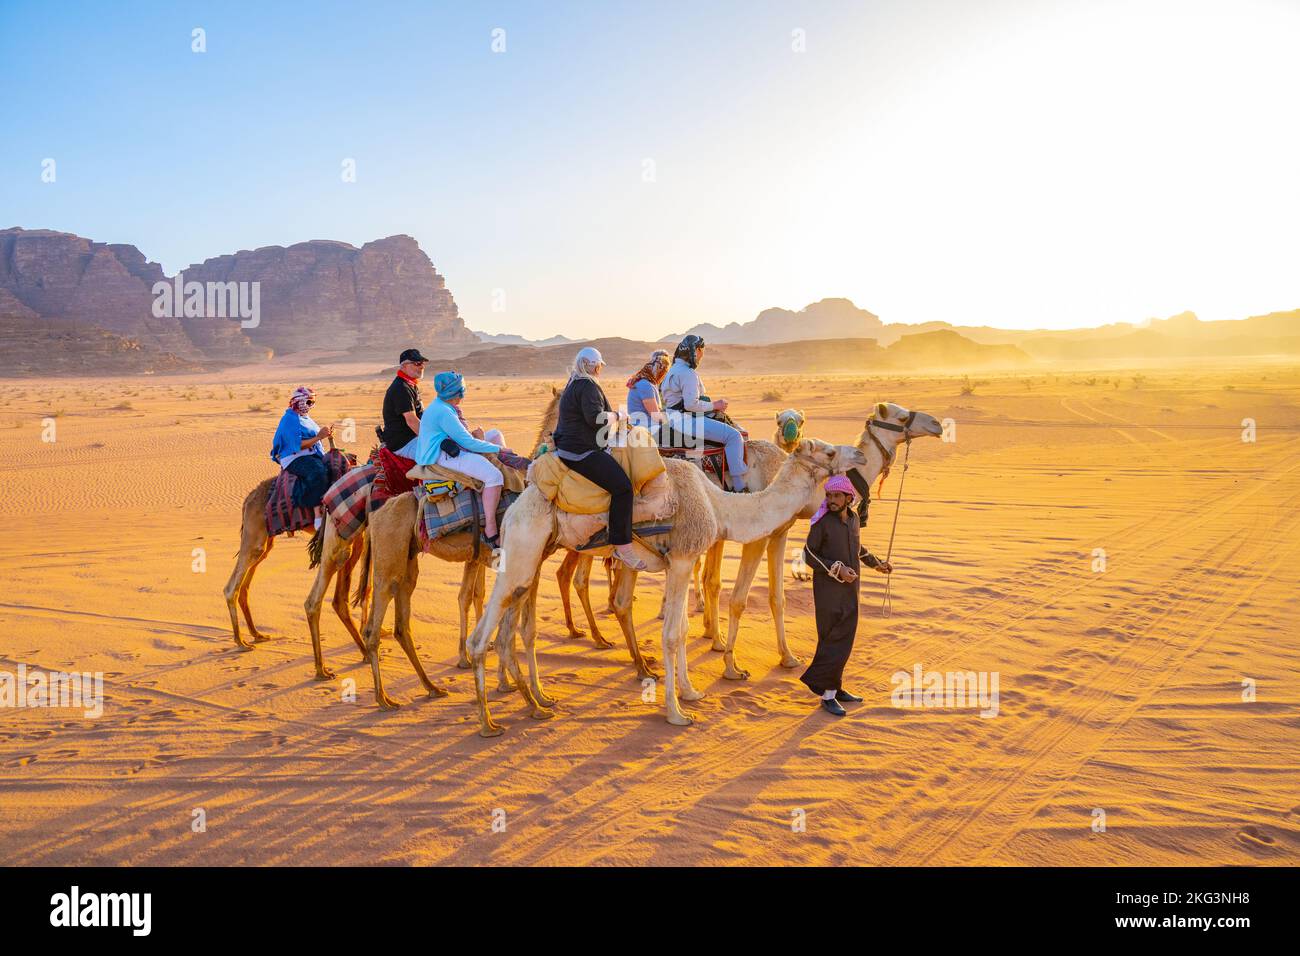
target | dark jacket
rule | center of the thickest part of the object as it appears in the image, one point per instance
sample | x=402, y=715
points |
x=581, y=416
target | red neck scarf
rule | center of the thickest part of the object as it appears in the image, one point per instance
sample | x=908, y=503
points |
x=402, y=375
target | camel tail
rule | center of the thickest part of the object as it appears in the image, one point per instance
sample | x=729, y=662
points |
x=315, y=546
x=363, y=585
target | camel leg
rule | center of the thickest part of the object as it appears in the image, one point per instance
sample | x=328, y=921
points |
x=609, y=585
x=685, y=690
x=526, y=618
x=247, y=583
x=713, y=595
x=525, y=555
x=776, y=594
x=388, y=580
x=699, y=590
x=624, y=589
x=243, y=566
x=679, y=579
x=356, y=552
x=582, y=584
x=751, y=556
x=402, y=629
x=507, y=680
x=564, y=578
x=464, y=598
x=325, y=572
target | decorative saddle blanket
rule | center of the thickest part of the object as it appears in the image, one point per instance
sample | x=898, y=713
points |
x=447, y=507
x=345, y=501
x=281, y=515
x=711, y=459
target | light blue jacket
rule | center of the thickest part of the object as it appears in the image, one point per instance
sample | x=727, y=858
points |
x=440, y=422
x=289, y=435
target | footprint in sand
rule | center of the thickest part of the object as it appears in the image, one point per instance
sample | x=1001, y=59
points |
x=1256, y=838
x=162, y=645
x=22, y=760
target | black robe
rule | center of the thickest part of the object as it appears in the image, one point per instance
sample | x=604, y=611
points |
x=835, y=603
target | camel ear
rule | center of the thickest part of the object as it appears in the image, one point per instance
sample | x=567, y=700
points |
x=805, y=446
x=882, y=410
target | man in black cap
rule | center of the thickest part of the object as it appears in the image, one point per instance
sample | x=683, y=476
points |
x=402, y=406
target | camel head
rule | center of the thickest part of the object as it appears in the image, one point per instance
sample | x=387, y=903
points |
x=824, y=459
x=895, y=423
x=789, y=429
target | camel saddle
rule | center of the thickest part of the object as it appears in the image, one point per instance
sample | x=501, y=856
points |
x=582, y=507
x=572, y=493
x=711, y=458
x=514, y=478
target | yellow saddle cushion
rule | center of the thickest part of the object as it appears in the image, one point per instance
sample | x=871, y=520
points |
x=577, y=495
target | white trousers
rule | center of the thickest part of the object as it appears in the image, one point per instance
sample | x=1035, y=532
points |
x=475, y=465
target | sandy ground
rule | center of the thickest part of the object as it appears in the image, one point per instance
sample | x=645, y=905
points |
x=1120, y=691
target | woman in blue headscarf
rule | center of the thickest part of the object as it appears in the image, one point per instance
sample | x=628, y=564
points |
x=445, y=441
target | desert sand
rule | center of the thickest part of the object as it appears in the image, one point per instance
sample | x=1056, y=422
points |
x=1121, y=691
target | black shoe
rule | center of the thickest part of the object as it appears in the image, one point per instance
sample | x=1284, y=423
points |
x=844, y=697
x=833, y=707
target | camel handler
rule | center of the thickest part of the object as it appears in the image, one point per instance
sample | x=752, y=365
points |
x=833, y=550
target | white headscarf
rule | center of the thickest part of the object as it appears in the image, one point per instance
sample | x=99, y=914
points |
x=586, y=363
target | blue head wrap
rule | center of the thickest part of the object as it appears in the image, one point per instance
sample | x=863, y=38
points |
x=449, y=385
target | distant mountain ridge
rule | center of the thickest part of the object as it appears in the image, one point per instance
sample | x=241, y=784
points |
x=505, y=338
x=827, y=319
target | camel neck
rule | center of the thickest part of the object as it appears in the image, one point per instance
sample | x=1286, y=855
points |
x=749, y=517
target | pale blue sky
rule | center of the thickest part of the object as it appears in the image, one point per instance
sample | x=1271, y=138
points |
x=1018, y=162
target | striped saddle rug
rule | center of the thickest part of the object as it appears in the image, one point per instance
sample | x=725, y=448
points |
x=281, y=516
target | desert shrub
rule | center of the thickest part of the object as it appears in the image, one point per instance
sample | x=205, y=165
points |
x=771, y=395
x=967, y=386
x=257, y=408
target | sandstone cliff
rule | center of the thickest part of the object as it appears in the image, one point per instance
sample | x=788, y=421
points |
x=373, y=302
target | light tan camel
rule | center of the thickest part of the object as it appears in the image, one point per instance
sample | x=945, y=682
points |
x=702, y=515
x=255, y=544
x=888, y=425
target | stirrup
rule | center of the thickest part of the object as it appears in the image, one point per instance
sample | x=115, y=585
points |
x=635, y=563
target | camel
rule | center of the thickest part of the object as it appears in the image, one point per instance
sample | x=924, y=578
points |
x=255, y=544
x=702, y=515
x=888, y=425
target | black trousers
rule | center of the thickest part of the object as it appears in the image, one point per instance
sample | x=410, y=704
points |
x=312, y=480
x=601, y=469
x=835, y=607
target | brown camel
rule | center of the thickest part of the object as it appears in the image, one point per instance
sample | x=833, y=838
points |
x=255, y=544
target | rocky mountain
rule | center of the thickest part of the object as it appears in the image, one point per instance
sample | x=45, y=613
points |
x=89, y=307
x=827, y=319
x=372, y=302
x=505, y=338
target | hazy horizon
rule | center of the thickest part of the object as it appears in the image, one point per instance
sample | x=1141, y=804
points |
x=1015, y=164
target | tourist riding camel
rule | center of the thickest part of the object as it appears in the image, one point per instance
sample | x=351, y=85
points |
x=446, y=442
x=402, y=405
x=695, y=417
x=645, y=406
x=582, y=442
x=298, y=450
